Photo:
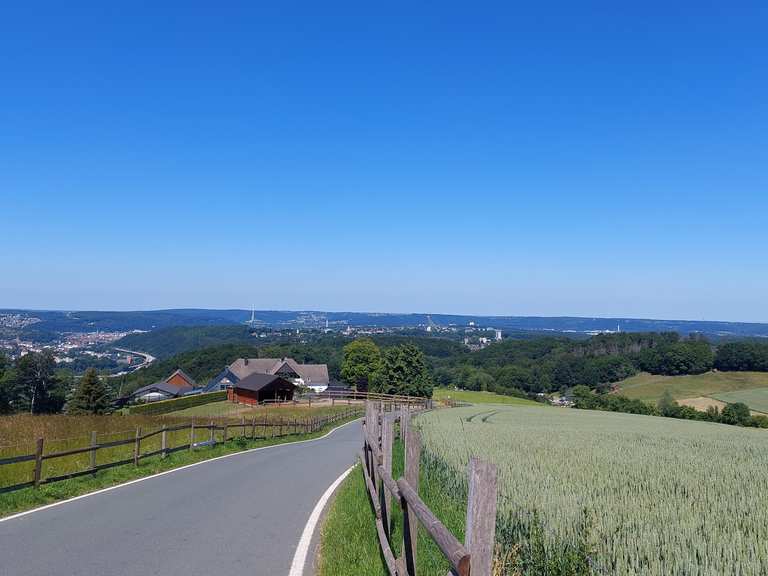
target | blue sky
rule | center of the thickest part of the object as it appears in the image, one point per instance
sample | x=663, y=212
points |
x=593, y=158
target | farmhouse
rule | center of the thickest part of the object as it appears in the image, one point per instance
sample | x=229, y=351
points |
x=177, y=384
x=314, y=376
x=260, y=387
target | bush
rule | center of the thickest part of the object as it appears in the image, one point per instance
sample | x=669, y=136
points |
x=165, y=406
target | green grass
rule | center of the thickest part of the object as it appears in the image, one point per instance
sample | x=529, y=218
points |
x=227, y=408
x=349, y=542
x=481, y=397
x=755, y=398
x=29, y=498
x=650, y=387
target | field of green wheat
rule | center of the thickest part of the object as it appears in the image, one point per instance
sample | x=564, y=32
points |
x=601, y=493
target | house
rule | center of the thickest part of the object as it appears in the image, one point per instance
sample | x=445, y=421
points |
x=177, y=384
x=314, y=376
x=257, y=388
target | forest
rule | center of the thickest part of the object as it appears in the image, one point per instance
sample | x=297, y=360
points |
x=523, y=367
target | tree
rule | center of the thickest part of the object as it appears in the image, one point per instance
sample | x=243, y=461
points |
x=9, y=393
x=361, y=361
x=91, y=395
x=667, y=405
x=737, y=413
x=38, y=388
x=404, y=372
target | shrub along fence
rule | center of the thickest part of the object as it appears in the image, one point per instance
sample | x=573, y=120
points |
x=95, y=455
x=475, y=556
x=165, y=406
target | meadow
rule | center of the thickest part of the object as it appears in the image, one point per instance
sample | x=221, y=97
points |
x=601, y=493
x=650, y=387
x=755, y=398
x=443, y=394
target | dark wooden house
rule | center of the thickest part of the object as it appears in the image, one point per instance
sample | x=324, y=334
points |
x=260, y=387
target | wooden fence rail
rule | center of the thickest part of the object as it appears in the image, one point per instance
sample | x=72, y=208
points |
x=252, y=429
x=475, y=555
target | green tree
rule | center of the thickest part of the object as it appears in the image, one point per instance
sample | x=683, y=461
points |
x=91, y=395
x=404, y=372
x=361, y=362
x=737, y=413
x=39, y=391
x=667, y=405
x=9, y=393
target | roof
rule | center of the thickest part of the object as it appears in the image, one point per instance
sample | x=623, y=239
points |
x=187, y=378
x=256, y=382
x=311, y=373
x=162, y=386
x=167, y=388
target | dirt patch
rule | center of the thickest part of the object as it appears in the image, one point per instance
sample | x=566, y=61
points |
x=702, y=403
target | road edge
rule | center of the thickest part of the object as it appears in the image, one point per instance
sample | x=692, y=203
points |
x=171, y=471
x=310, y=532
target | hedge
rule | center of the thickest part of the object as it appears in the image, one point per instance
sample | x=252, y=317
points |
x=165, y=406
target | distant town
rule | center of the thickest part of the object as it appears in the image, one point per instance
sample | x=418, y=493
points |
x=79, y=350
x=106, y=340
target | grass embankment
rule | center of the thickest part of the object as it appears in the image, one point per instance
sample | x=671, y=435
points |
x=481, y=397
x=29, y=498
x=232, y=410
x=350, y=545
x=61, y=433
x=650, y=388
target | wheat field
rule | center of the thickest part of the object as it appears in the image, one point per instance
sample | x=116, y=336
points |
x=585, y=492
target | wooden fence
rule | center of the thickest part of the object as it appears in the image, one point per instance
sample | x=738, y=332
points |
x=351, y=395
x=475, y=555
x=253, y=428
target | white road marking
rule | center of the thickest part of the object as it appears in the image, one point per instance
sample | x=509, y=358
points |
x=300, y=557
x=115, y=487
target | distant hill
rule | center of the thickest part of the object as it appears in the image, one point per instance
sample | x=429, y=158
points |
x=167, y=342
x=58, y=321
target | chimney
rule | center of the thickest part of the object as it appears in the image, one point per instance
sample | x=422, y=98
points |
x=245, y=361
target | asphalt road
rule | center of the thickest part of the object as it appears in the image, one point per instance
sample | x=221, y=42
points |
x=240, y=516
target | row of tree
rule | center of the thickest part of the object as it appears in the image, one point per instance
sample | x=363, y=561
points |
x=746, y=355
x=737, y=414
x=32, y=384
x=400, y=369
x=551, y=364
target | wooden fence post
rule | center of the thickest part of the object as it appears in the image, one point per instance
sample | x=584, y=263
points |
x=192, y=434
x=212, y=438
x=225, y=431
x=137, y=447
x=281, y=426
x=481, y=516
x=403, y=422
x=164, y=443
x=93, y=451
x=253, y=428
x=386, y=451
x=410, y=522
x=38, y=462
x=242, y=426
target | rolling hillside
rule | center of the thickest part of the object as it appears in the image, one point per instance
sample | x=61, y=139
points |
x=703, y=390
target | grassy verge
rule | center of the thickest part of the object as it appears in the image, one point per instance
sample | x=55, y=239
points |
x=349, y=543
x=229, y=409
x=481, y=397
x=29, y=498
